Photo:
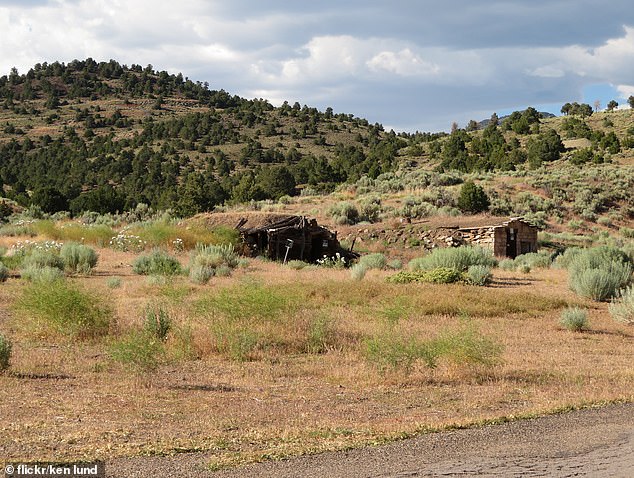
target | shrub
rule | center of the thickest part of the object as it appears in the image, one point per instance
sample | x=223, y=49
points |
x=5, y=352
x=200, y=274
x=373, y=261
x=472, y=198
x=598, y=273
x=113, y=282
x=507, y=264
x=358, y=271
x=320, y=336
x=456, y=258
x=574, y=318
x=464, y=346
x=479, y=275
x=440, y=275
x=139, y=351
x=223, y=271
x=344, y=213
x=535, y=259
x=209, y=260
x=622, y=306
x=64, y=308
x=42, y=258
x=42, y=274
x=78, y=258
x=4, y=272
x=296, y=265
x=395, y=264
x=158, y=262
x=601, y=283
x=157, y=322
x=524, y=268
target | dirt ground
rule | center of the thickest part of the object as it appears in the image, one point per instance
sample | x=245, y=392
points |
x=596, y=442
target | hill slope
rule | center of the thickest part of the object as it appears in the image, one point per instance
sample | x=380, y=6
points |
x=105, y=137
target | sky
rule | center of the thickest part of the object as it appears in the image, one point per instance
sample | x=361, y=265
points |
x=411, y=65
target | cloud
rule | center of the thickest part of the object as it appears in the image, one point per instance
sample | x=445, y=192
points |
x=406, y=63
x=403, y=63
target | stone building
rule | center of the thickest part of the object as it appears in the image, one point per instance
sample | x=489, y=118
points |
x=507, y=239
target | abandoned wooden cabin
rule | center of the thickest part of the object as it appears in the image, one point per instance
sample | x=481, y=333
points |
x=508, y=239
x=289, y=238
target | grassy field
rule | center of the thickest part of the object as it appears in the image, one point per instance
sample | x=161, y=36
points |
x=271, y=361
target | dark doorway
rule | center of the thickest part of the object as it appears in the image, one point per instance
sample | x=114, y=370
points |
x=318, y=248
x=511, y=243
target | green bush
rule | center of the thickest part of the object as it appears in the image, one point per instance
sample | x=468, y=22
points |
x=472, y=198
x=456, y=258
x=200, y=274
x=479, y=275
x=157, y=322
x=439, y=275
x=598, y=273
x=358, y=271
x=534, y=259
x=296, y=265
x=78, y=258
x=373, y=261
x=42, y=258
x=139, y=351
x=574, y=318
x=209, y=260
x=42, y=274
x=463, y=346
x=64, y=308
x=524, y=268
x=5, y=352
x=113, y=282
x=344, y=213
x=4, y=272
x=507, y=265
x=622, y=306
x=158, y=262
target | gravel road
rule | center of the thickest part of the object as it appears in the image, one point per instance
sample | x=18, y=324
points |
x=596, y=442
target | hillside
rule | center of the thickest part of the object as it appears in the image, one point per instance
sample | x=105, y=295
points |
x=105, y=137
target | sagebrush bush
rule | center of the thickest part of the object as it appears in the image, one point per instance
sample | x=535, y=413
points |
x=574, y=318
x=5, y=352
x=373, y=261
x=534, y=259
x=598, y=273
x=114, y=282
x=296, y=265
x=158, y=262
x=344, y=213
x=64, y=308
x=358, y=271
x=456, y=258
x=209, y=260
x=200, y=274
x=78, y=258
x=507, y=265
x=479, y=275
x=42, y=258
x=42, y=274
x=622, y=306
x=4, y=272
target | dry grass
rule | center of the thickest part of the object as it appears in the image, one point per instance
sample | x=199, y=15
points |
x=64, y=400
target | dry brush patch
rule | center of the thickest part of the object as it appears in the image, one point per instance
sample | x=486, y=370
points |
x=305, y=385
